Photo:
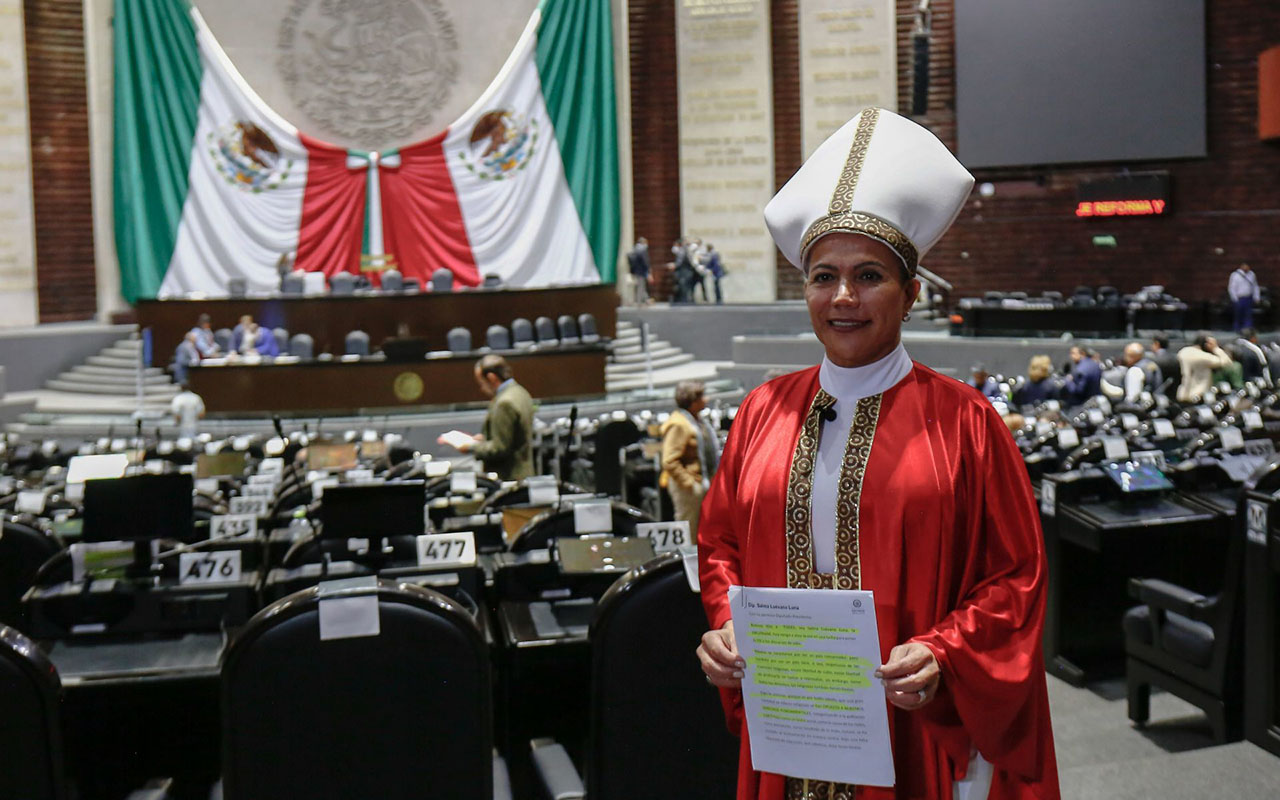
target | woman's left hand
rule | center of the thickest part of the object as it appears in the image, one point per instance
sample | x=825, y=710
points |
x=910, y=676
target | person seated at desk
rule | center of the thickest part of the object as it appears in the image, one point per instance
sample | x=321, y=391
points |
x=1134, y=375
x=505, y=445
x=1253, y=361
x=187, y=354
x=258, y=341
x=1086, y=376
x=237, y=333
x=1198, y=361
x=983, y=382
x=205, y=343
x=1037, y=387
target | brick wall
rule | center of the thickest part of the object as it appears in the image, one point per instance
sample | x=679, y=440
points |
x=1226, y=207
x=59, y=113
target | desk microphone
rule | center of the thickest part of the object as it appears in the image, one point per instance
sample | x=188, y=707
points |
x=828, y=414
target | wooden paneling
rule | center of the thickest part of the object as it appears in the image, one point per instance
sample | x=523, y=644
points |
x=429, y=315
x=59, y=111
x=371, y=384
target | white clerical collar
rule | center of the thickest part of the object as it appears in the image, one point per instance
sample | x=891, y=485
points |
x=855, y=383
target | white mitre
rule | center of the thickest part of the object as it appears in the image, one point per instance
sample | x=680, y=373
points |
x=881, y=175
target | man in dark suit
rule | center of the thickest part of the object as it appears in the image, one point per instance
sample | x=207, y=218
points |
x=638, y=262
x=505, y=445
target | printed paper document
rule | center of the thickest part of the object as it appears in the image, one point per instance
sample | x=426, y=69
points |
x=814, y=706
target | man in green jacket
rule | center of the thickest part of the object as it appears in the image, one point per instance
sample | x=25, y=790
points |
x=506, y=444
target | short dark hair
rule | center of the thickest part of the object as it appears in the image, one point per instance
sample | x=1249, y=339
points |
x=688, y=392
x=1201, y=339
x=493, y=364
x=1161, y=339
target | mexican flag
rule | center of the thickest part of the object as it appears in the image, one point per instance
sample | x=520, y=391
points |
x=212, y=185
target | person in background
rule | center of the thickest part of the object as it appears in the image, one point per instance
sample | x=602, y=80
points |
x=685, y=274
x=983, y=382
x=237, y=333
x=1198, y=361
x=716, y=268
x=258, y=341
x=186, y=355
x=1253, y=361
x=638, y=263
x=505, y=444
x=698, y=257
x=1167, y=361
x=689, y=454
x=1086, y=376
x=205, y=343
x=187, y=409
x=1243, y=288
x=1141, y=374
x=1037, y=387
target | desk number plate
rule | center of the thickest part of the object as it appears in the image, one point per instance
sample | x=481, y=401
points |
x=257, y=490
x=257, y=506
x=456, y=549
x=199, y=568
x=231, y=526
x=666, y=535
x=1048, y=498
x=1257, y=523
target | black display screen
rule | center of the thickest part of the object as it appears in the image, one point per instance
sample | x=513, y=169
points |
x=373, y=511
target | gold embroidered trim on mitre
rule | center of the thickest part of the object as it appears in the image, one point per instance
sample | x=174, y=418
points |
x=841, y=219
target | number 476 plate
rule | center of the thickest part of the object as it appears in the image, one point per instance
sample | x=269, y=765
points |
x=666, y=535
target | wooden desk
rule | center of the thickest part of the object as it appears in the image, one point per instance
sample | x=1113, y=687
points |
x=374, y=383
x=329, y=318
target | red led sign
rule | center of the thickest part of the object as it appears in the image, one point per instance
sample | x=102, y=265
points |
x=1120, y=208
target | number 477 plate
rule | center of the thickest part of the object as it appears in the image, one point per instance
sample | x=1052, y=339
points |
x=666, y=535
x=447, y=549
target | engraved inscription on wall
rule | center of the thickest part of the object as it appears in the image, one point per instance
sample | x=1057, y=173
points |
x=374, y=71
x=17, y=236
x=726, y=137
x=848, y=61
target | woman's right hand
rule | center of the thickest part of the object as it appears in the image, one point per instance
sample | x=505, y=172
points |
x=720, y=660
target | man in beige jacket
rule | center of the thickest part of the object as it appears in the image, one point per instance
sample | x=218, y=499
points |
x=688, y=453
x=1198, y=361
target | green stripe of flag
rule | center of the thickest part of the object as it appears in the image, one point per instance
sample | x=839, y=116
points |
x=575, y=65
x=157, y=95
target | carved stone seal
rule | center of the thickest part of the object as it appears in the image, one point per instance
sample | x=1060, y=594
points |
x=374, y=71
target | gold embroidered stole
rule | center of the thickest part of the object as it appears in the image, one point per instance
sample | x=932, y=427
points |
x=801, y=572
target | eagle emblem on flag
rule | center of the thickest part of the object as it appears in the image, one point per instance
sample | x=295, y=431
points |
x=247, y=158
x=501, y=145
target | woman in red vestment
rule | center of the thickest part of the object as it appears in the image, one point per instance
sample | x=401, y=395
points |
x=873, y=472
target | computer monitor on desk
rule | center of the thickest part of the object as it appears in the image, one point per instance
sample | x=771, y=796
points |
x=138, y=508
x=377, y=511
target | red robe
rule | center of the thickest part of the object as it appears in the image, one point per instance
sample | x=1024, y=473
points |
x=950, y=543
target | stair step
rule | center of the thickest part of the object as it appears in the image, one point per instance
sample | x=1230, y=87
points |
x=114, y=379
x=99, y=387
x=635, y=368
x=657, y=352
x=94, y=369
x=113, y=361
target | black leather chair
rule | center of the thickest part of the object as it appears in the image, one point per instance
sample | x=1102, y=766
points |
x=22, y=550
x=442, y=280
x=545, y=327
x=587, y=329
x=519, y=495
x=405, y=713
x=342, y=283
x=302, y=346
x=282, y=340
x=357, y=343
x=1190, y=645
x=293, y=284
x=392, y=281
x=568, y=329
x=539, y=532
x=224, y=339
x=657, y=728
x=237, y=288
x=459, y=340
x=31, y=734
x=522, y=333
x=497, y=337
